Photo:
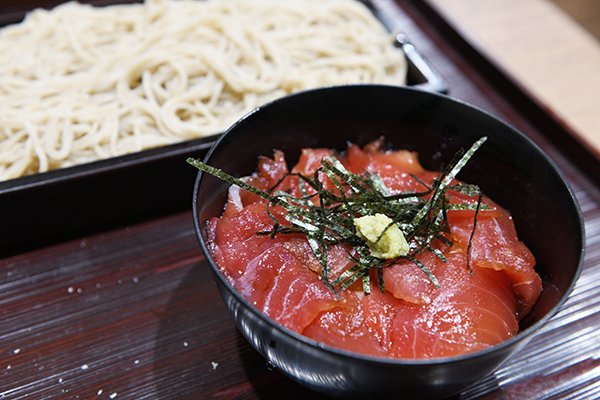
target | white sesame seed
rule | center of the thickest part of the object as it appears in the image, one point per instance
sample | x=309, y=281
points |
x=84, y=367
x=214, y=365
x=16, y=351
x=99, y=392
x=70, y=289
x=113, y=395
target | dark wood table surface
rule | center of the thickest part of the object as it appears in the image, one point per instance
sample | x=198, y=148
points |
x=132, y=312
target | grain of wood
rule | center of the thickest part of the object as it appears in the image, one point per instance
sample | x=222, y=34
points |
x=545, y=49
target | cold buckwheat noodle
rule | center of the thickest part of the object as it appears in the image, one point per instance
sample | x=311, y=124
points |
x=80, y=83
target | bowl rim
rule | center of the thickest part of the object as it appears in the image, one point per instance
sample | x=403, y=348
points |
x=391, y=361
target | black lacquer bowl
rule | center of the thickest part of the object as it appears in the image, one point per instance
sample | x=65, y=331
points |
x=508, y=167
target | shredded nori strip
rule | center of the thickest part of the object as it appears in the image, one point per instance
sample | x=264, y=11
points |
x=421, y=216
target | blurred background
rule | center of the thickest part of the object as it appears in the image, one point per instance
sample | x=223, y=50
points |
x=552, y=47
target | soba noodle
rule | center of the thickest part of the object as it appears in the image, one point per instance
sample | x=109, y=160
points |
x=80, y=83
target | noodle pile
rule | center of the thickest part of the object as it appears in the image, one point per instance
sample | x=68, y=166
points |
x=80, y=83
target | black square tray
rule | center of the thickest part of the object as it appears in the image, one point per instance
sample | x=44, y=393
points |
x=56, y=205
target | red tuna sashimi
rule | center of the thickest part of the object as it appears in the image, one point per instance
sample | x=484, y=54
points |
x=467, y=313
x=269, y=272
x=310, y=160
x=280, y=285
x=412, y=318
x=233, y=240
x=394, y=167
x=270, y=172
x=495, y=244
x=365, y=327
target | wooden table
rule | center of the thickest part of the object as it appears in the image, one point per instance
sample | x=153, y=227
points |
x=132, y=312
x=548, y=52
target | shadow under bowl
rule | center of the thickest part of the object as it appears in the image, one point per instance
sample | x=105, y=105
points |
x=509, y=168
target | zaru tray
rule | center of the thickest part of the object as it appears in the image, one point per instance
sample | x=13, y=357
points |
x=55, y=205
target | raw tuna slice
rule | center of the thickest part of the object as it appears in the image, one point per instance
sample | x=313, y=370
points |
x=476, y=305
